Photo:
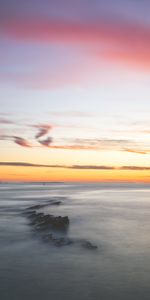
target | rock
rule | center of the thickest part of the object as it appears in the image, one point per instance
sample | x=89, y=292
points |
x=36, y=218
x=45, y=221
x=56, y=203
x=29, y=212
x=60, y=222
x=38, y=206
x=42, y=222
x=58, y=241
x=89, y=245
x=35, y=207
x=63, y=242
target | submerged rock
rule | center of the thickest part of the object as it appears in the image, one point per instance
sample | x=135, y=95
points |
x=89, y=245
x=29, y=213
x=39, y=206
x=56, y=203
x=58, y=241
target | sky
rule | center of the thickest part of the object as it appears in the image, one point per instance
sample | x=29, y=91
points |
x=74, y=90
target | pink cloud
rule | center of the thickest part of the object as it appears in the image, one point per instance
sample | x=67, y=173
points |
x=43, y=129
x=5, y=121
x=122, y=42
x=47, y=142
x=21, y=141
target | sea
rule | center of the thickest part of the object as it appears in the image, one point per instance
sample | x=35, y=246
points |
x=115, y=218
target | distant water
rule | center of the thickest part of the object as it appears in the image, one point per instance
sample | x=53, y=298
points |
x=116, y=218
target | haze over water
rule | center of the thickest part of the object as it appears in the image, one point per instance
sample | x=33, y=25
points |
x=115, y=217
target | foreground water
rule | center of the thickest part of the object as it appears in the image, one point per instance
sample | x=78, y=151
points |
x=114, y=217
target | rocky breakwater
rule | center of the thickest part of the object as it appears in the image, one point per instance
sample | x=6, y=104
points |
x=44, y=222
x=53, y=229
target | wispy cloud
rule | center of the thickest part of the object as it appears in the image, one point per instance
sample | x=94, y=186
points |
x=4, y=137
x=24, y=164
x=77, y=167
x=145, y=131
x=135, y=168
x=21, y=142
x=4, y=121
x=74, y=147
x=47, y=142
x=92, y=167
x=91, y=144
x=105, y=144
x=17, y=140
x=43, y=129
x=136, y=151
x=74, y=114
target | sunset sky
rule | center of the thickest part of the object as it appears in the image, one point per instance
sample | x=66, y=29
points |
x=75, y=90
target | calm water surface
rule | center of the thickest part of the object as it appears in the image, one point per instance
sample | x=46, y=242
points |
x=116, y=218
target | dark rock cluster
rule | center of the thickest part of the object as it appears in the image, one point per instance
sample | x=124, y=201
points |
x=51, y=226
x=43, y=221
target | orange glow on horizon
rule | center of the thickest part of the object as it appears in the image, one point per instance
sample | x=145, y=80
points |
x=59, y=174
